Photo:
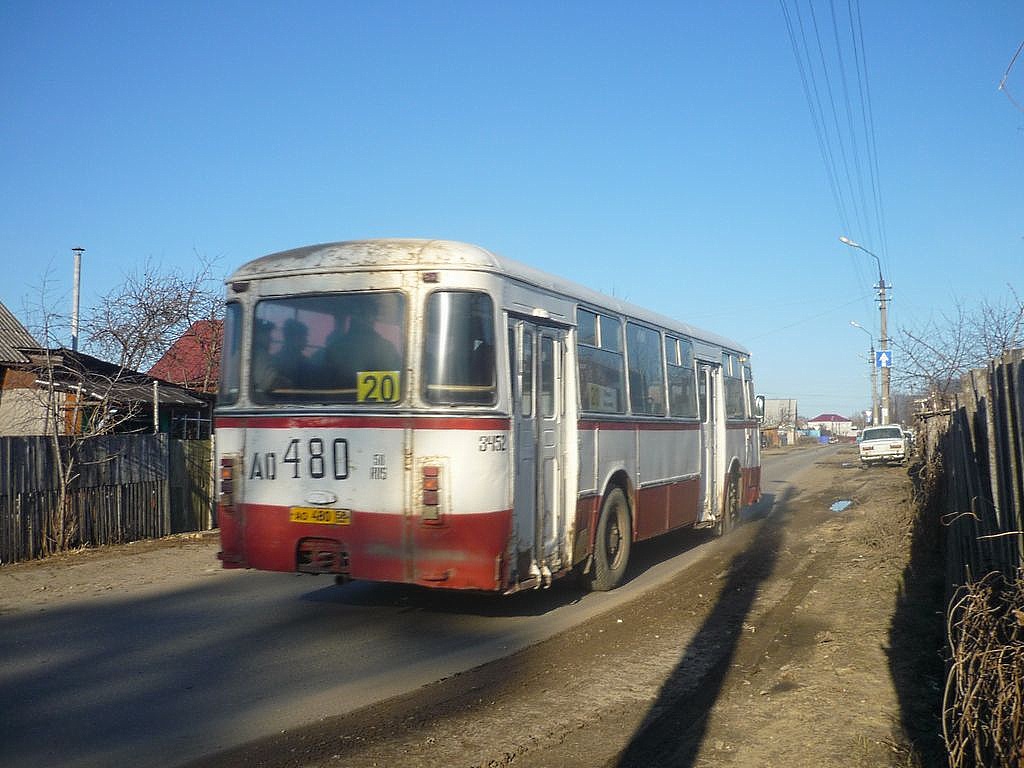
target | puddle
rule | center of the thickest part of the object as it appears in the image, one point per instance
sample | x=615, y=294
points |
x=841, y=506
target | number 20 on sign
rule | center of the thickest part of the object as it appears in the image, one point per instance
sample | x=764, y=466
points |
x=378, y=387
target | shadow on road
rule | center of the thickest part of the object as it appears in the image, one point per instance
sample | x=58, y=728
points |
x=674, y=728
x=917, y=633
x=531, y=602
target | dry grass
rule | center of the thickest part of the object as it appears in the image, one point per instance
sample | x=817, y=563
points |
x=889, y=536
x=983, y=710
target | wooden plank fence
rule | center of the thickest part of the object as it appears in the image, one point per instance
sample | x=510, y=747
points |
x=123, y=488
x=980, y=444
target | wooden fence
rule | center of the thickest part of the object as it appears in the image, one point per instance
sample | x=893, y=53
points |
x=123, y=488
x=974, y=453
x=979, y=445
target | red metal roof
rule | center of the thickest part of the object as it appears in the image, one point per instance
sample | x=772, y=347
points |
x=193, y=361
x=833, y=417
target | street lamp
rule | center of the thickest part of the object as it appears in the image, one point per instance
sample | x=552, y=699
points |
x=884, y=340
x=874, y=374
x=849, y=242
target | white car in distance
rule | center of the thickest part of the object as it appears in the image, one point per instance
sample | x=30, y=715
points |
x=884, y=445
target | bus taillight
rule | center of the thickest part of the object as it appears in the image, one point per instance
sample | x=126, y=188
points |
x=431, y=505
x=227, y=481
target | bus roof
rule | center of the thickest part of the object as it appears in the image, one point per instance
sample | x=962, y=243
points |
x=403, y=253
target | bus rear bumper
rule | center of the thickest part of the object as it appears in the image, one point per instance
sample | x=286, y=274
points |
x=464, y=551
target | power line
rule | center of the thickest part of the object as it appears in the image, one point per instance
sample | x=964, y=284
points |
x=835, y=114
x=831, y=310
x=849, y=108
x=848, y=142
x=1006, y=74
x=810, y=88
x=868, y=117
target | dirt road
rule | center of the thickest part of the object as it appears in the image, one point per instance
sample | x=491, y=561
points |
x=806, y=638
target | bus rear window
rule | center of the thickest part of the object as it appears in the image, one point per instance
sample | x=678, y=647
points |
x=340, y=348
x=458, y=349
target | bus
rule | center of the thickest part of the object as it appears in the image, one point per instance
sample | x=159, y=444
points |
x=431, y=413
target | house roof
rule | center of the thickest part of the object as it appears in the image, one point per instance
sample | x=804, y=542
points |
x=193, y=361
x=14, y=338
x=98, y=378
x=829, y=417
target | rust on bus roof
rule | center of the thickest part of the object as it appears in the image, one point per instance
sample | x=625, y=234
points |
x=368, y=254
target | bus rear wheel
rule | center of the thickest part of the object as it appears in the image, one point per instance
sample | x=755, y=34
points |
x=612, y=544
x=731, y=513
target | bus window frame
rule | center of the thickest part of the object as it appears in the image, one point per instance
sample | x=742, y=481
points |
x=635, y=350
x=424, y=383
x=237, y=355
x=321, y=397
x=606, y=325
x=685, y=365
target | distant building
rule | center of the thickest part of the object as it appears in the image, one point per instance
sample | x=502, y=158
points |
x=16, y=382
x=833, y=424
x=47, y=391
x=780, y=421
x=781, y=411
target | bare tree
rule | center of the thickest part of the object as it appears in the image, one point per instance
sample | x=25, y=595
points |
x=66, y=400
x=935, y=356
x=998, y=326
x=139, y=319
x=75, y=396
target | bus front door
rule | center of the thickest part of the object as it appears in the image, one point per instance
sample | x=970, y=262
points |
x=539, y=408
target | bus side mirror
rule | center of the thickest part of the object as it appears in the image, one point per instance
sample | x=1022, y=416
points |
x=759, y=407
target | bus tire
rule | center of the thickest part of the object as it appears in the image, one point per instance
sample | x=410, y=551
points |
x=731, y=513
x=612, y=544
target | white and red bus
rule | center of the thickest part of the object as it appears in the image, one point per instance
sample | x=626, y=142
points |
x=428, y=412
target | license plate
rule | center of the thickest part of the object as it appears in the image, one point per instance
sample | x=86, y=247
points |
x=320, y=515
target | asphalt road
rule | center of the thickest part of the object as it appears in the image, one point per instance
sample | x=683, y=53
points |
x=165, y=675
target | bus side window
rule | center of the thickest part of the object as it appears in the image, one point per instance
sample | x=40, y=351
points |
x=601, y=364
x=513, y=390
x=644, y=351
x=547, y=377
x=734, y=408
x=702, y=393
x=682, y=392
x=527, y=372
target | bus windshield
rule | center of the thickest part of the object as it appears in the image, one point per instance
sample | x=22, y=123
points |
x=339, y=348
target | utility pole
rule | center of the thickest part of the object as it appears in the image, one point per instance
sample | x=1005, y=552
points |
x=874, y=388
x=874, y=373
x=882, y=302
x=886, y=369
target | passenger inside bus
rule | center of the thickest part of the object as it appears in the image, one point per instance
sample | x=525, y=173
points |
x=355, y=345
x=289, y=367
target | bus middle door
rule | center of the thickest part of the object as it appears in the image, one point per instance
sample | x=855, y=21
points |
x=707, y=397
x=539, y=355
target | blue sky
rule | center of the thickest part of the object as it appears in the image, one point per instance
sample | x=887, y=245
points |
x=661, y=152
